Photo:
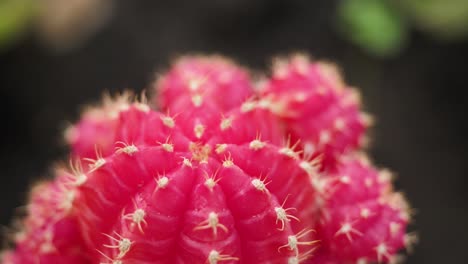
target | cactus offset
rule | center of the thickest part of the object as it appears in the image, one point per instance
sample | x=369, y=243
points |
x=222, y=173
x=317, y=107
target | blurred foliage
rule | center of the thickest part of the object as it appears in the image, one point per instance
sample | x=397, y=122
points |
x=373, y=25
x=63, y=25
x=381, y=27
x=444, y=19
x=15, y=16
x=59, y=24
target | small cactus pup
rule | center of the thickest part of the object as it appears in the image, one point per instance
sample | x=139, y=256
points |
x=221, y=170
x=318, y=109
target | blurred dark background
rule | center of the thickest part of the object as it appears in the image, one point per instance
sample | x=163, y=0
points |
x=418, y=96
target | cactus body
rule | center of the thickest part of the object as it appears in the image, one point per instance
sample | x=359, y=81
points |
x=223, y=173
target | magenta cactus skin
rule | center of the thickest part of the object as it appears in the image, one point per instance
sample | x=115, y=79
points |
x=222, y=173
x=317, y=107
x=198, y=90
x=50, y=233
x=363, y=220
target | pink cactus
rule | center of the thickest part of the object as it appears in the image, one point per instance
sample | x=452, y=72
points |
x=317, y=107
x=50, y=233
x=224, y=173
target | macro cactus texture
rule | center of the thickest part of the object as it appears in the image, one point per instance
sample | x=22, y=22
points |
x=221, y=170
